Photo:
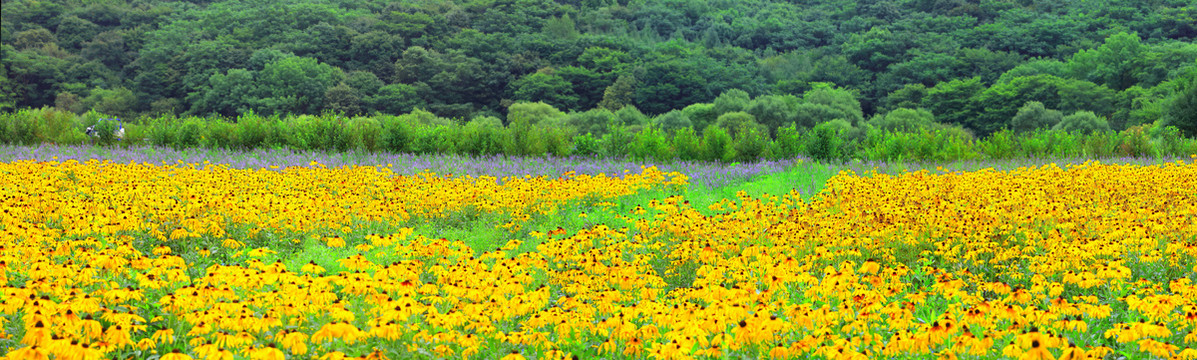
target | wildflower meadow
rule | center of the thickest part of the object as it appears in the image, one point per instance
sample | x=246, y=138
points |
x=150, y=253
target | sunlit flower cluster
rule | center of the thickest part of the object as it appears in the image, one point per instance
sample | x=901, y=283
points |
x=1036, y=263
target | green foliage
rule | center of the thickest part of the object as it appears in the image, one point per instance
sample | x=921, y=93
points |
x=545, y=87
x=842, y=102
x=751, y=144
x=772, y=111
x=587, y=145
x=617, y=141
x=688, y=145
x=1182, y=108
x=672, y=121
x=734, y=121
x=594, y=121
x=1084, y=122
x=535, y=113
x=952, y=103
x=1033, y=116
x=396, y=99
x=718, y=144
x=651, y=143
x=295, y=85
x=825, y=141
x=701, y=115
x=1117, y=63
x=731, y=101
x=904, y=120
x=789, y=142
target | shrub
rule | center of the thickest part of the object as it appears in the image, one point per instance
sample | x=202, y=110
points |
x=751, y=143
x=1135, y=142
x=1084, y=122
x=825, y=141
x=904, y=120
x=617, y=141
x=587, y=145
x=701, y=115
x=1033, y=116
x=672, y=121
x=718, y=144
x=482, y=136
x=535, y=113
x=651, y=143
x=688, y=145
x=396, y=134
x=734, y=121
x=595, y=121
x=788, y=143
x=999, y=145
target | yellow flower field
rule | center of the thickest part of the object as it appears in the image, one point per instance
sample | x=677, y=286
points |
x=103, y=260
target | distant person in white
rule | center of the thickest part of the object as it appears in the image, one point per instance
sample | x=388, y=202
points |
x=118, y=134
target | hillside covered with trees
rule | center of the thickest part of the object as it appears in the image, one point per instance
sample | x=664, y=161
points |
x=975, y=65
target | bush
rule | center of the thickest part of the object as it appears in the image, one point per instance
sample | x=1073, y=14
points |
x=617, y=142
x=1084, y=122
x=1100, y=144
x=672, y=121
x=595, y=121
x=535, y=113
x=825, y=141
x=482, y=136
x=1135, y=142
x=701, y=115
x=587, y=145
x=688, y=145
x=1034, y=116
x=751, y=144
x=904, y=120
x=734, y=121
x=1000, y=145
x=788, y=143
x=651, y=143
x=396, y=135
x=718, y=144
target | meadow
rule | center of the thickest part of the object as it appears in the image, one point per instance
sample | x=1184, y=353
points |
x=159, y=253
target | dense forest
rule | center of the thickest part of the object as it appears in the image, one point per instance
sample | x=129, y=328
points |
x=976, y=65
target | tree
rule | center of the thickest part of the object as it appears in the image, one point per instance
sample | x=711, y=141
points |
x=1084, y=122
x=343, y=99
x=619, y=94
x=904, y=120
x=952, y=102
x=535, y=114
x=1117, y=63
x=1182, y=108
x=701, y=114
x=117, y=102
x=672, y=121
x=546, y=87
x=228, y=94
x=731, y=101
x=587, y=84
x=295, y=85
x=840, y=100
x=396, y=99
x=733, y=122
x=593, y=121
x=909, y=96
x=1033, y=116
x=773, y=111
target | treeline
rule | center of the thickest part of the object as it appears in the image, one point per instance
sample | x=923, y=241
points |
x=538, y=129
x=972, y=63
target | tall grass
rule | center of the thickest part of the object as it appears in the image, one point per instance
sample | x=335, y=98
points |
x=423, y=133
